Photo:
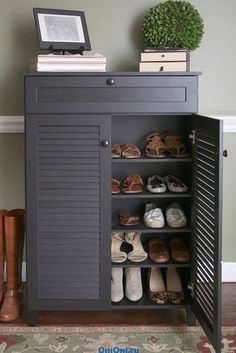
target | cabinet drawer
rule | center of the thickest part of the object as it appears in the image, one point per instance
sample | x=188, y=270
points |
x=165, y=56
x=111, y=94
x=163, y=66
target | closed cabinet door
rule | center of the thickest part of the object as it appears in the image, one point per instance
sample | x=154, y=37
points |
x=207, y=224
x=68, y=212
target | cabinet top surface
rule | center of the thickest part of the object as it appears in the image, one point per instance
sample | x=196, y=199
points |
x=111, y=73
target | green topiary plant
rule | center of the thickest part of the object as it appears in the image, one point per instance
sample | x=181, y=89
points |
x=173, y=24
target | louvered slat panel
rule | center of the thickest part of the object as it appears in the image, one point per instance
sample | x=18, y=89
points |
x=68, y=234
x=207, y=227
x=63, y=229
x=67, y=160
x=84, y=248
x=62, y=210
x=66, y=204
x=71, y=183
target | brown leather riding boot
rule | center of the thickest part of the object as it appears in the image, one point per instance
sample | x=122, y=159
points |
x=2, y=213
x=14, y=235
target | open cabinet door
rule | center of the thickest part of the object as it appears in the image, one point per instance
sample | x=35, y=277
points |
x=206, y=225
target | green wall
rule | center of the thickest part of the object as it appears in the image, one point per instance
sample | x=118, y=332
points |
x=114, y=28
x=12, y=171
x=229, y=199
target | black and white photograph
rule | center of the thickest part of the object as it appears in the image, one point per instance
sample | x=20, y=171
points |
x=61, y=28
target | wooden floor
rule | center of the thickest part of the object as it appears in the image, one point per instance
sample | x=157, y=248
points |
x=135, y=317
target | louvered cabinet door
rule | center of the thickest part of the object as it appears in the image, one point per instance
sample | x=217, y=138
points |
x=207, y=224
x=68, y=177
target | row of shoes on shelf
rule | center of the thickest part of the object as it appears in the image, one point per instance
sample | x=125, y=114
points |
x=157, y=249
x=134, y=184
x=157, y=146
x=154, y=218
x=158, y=292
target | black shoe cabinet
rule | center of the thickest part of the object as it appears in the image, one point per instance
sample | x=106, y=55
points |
x=71, y=120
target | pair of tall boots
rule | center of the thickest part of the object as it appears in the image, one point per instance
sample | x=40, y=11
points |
x=11, y=246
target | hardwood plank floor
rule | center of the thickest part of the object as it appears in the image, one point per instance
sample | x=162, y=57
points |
x=134, y=317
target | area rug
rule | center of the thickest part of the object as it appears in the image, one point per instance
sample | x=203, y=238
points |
x=115, y=339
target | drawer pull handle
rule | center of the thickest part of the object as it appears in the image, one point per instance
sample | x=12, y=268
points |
x=163, y=55
x=162, y=68
x=110, y=81
x=104, y=143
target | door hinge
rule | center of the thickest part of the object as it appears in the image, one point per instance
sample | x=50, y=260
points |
x=191, y=288
x=192, y=136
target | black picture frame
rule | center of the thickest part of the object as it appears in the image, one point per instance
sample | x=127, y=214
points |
x=74, y=38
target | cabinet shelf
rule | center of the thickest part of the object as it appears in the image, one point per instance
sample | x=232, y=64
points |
x=144, y=229
x=144, y=159
x=146, y=303
x=148, y=263
x=149, y=195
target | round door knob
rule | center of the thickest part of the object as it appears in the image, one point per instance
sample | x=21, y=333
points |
x=104, y=143
x=110, y=81
x=225, y=153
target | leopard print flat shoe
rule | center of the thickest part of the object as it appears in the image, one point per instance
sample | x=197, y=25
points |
x=159, y=297
x=175, y=297
x=157, y=290
x=175, y=292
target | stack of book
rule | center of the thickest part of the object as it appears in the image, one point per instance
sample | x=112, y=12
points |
x=73, y=63
x=153, y=60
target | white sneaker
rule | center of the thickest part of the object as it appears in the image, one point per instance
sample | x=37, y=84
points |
x=117, y=291
x=153, y=216
x=133, y=283
x=175, y=216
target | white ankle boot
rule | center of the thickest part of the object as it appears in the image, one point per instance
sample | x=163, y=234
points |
x=133, y=286
x=137, y=254
x=117, y=255
x=117, y=292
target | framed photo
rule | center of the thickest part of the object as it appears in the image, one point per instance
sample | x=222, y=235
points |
x=60, y=30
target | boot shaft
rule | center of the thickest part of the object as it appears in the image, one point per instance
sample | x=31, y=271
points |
x=14, y=236
x=2, y=234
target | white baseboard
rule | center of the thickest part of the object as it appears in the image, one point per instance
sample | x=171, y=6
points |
x=15, y=124
x=11, y=124
x=228, y=271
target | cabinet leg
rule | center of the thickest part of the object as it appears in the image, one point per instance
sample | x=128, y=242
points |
x=32, y=318
x=191, y=320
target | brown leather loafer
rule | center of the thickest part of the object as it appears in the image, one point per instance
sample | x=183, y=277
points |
x=179, y=251
x=158, y=251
